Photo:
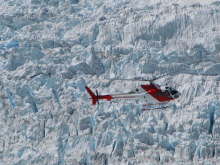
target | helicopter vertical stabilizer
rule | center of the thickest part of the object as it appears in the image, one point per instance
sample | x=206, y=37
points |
x=92, y=94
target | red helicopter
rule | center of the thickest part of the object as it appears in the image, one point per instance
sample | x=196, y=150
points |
x=152, y=89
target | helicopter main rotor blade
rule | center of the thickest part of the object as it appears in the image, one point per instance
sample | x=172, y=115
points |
x=132, y=79
x=138, y=79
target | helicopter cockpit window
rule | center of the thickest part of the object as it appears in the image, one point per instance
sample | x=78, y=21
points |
x=168, y=88
x=173, y=92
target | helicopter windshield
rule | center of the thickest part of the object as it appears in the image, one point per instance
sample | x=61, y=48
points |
x=171, y=90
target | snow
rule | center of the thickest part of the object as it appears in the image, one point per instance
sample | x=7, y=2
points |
x=50, y=49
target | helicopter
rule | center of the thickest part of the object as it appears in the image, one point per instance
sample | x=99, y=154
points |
x=154, y=90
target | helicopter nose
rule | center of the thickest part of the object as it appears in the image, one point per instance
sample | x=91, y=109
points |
x=177, y=95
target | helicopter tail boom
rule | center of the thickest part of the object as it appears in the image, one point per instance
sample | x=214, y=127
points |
x=96, y=98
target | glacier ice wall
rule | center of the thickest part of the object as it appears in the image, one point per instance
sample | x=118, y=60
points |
x=50, y=49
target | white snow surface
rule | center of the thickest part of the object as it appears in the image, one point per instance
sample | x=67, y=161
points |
x=51, y=49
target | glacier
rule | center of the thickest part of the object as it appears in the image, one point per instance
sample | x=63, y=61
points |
x=51, y=49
